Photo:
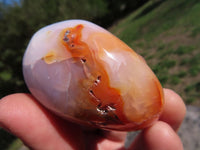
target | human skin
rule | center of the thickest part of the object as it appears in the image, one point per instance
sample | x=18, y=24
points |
x=40, y=129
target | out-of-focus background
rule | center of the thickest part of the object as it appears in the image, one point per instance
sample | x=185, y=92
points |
x=165, y=32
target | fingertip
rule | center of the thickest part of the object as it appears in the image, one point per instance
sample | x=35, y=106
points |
x=10, y=100
x=162, y=136
x=174, y=109
x=24, y=117
x=9, y=105
x=13, y=111
x=157, y=137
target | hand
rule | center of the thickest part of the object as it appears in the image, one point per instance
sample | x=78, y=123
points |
x=39, y=129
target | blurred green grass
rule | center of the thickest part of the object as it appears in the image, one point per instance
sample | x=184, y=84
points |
x=167, y=35
x=6, y=139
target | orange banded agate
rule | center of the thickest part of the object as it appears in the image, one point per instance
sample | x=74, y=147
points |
x=86, y=75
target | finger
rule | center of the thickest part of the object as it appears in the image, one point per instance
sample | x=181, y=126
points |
x=160, y=136
x=116, y=136
x=174, y=109
x=24, y=117
x=112, y=140
x=104, y=140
